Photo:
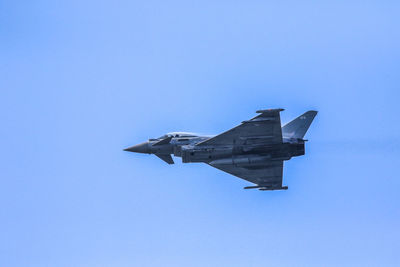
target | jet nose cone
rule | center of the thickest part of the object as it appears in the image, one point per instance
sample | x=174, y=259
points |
x=140, y=148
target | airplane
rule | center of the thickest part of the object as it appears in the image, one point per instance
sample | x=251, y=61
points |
x=254, y=150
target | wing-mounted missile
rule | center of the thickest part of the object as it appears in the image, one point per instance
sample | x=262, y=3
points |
x=163, y=141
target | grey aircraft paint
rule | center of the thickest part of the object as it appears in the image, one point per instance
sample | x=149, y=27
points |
x=254, y=150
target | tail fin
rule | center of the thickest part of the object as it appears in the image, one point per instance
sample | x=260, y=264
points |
x=298, y=127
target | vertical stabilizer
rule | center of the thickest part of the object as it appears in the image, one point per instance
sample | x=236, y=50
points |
x=298, y=127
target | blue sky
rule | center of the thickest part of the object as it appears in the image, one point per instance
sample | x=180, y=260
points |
x=81, y=80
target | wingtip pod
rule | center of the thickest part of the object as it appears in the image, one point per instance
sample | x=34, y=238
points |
x=270, y=110
x=271, y=189
x=266, y=188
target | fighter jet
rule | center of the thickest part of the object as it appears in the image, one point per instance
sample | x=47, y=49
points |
x=254, y=150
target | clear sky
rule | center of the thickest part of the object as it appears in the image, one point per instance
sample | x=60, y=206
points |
x=81, y=80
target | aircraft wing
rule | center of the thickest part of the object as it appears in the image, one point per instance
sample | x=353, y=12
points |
x=267, y=176
x=264, y=128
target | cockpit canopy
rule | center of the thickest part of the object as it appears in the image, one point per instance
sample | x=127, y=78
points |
x=177, y=134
